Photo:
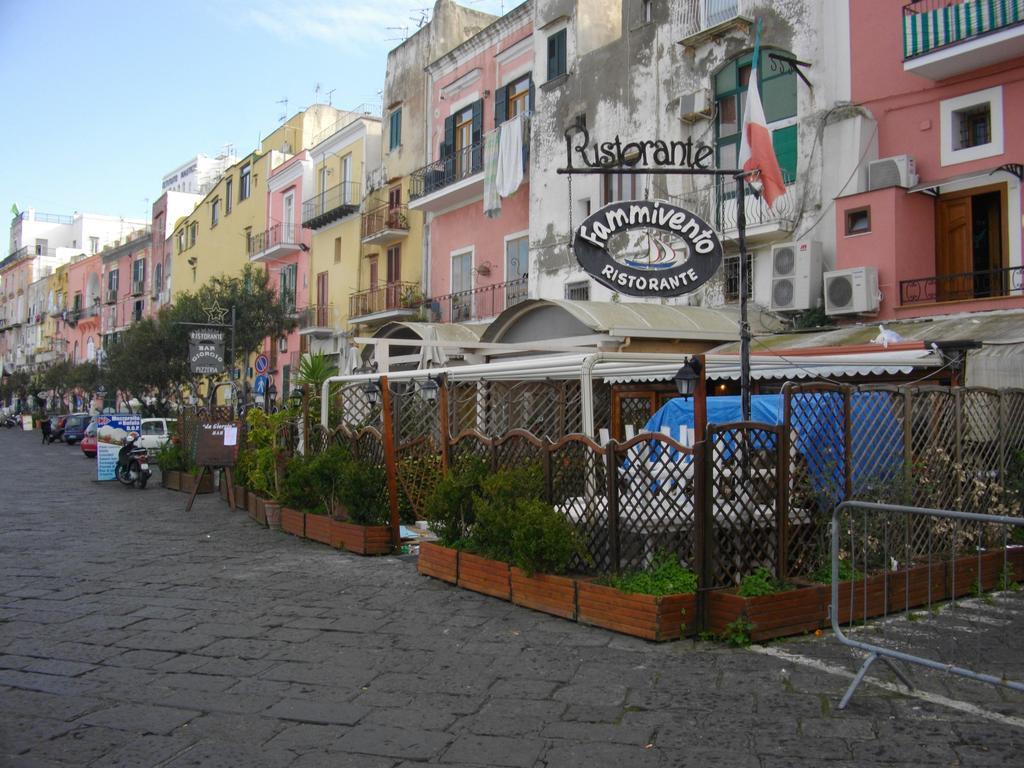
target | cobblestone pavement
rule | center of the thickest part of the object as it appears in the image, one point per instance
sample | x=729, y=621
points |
x=135, y=634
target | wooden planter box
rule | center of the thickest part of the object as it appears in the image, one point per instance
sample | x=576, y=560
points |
x=860, y=599
x=1015, y=557
x=250, y=503
x=261, y=511
x=785, y=613
x=963, y=573
x=916, y=586
x=489, y=577
x=544, y=592
x=318, y=528
x=171, y=479
x=272, y=513
x=240, y=497
x=188, y=482
x=361, y=539
x=293, y=521
x=440, y=562
x=651, y=617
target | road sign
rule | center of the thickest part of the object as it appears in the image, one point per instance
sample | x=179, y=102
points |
x=261, y=385
x=262, y=363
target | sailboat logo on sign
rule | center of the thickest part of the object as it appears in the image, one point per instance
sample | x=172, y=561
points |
x=647, y=248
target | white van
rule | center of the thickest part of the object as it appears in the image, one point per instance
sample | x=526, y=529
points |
x=155, y=432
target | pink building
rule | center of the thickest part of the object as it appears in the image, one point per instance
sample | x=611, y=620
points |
x=167, y=209
x=940, y=218
x=80, y=323
x=284, y=249
x=481, y=98
x=126, y=284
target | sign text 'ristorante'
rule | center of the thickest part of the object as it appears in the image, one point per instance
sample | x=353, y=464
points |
x=678, y=262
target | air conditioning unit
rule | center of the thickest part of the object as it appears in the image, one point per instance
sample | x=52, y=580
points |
x=695, y=106
x=898, y=171
x=851, y=291
x=796, y=276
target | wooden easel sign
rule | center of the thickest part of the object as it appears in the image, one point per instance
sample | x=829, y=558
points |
x=217, y=446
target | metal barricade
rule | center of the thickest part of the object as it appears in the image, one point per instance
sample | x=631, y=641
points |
x=888, y=559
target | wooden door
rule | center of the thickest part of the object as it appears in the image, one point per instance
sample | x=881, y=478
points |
x=954, y=252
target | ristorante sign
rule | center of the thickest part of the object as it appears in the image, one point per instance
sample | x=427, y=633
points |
x=647, y=248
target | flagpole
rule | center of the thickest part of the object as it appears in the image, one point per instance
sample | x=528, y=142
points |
x=741, y=236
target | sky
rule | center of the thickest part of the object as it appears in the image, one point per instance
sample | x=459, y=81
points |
x=105, y=98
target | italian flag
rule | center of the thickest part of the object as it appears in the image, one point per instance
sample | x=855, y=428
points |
x=757, y=156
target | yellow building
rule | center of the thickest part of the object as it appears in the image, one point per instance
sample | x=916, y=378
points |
x=52, y=349
x=340, y=266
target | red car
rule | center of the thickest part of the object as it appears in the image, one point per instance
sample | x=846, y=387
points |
x=89, y=441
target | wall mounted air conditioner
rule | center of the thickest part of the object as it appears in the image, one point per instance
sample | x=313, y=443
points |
x=898, y=171
x=695, y=106
x=851, y=291
x=796, y=276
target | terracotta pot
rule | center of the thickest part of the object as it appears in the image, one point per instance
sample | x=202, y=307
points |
x=652, y=617
x=785, y=613
x=272, y=512
x=240, y=496
x=439, y=562
x=293, y=521
x=318, y=528
x=171, y=479
x=544, y=592
x=361, y=539
x=489, y=577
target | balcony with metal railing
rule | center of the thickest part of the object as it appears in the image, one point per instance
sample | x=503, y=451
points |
x=449, y=181
x=276, y=242
x=331, y=204
x=944, y=38
x=717, y=205
x=478, y=303
x=318, y=321
x=703, y=20
x=391, y=301
x=964, y=286
x=385, y=225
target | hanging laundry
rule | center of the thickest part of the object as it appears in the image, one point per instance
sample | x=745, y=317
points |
x=492, y=201
x=510, y=156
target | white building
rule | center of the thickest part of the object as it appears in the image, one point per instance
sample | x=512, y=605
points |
x=198, y=175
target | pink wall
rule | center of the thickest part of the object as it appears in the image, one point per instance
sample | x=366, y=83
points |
x=78, y=276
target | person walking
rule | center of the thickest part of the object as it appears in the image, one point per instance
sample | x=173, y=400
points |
x=44, y=426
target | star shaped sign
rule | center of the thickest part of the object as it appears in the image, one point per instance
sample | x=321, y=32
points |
x=215, y=314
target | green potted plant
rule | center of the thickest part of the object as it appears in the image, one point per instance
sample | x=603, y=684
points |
x=449, y=512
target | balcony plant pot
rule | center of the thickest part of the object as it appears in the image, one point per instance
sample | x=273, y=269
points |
x=480, y=574
x=544, y=592
x=361, y=539
x=917, y=585
x=652, y=617
x=171, y=479
x=293, y=521
x=439, y=562
x=791, y=612
x=318, y=528
x=272, y=513
x=239, y=496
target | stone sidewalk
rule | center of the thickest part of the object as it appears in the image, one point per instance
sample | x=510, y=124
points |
x=134, y=634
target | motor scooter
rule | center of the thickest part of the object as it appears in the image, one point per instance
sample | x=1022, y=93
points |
x=10, y=422
x=133, y=463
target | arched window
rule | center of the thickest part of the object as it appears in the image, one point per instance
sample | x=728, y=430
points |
x=778, y=96
x=74, y=358
x=90, y=349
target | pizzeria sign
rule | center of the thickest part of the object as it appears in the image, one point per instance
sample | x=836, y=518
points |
x=647, y=248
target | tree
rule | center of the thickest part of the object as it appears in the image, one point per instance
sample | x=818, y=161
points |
x=57, y=378
x=149, y=363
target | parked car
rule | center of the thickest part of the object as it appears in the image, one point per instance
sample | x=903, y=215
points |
x=88, y=442
x=74, y=427
x=155, y=432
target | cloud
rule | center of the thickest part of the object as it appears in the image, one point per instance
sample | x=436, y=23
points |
x=340, y=22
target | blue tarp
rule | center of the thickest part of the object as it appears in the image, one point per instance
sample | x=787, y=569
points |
x=817, y=419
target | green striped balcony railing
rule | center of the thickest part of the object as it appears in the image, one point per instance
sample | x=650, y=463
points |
x=929, y=25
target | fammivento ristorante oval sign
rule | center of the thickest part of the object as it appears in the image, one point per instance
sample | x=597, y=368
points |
x=648, y=248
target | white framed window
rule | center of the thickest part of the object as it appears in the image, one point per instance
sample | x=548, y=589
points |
x=288, y=217
x=971, y=126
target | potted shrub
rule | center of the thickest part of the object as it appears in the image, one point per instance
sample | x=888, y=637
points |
x=362, y=492
x=763, y=608
x=658, y=603
x=449, y=511
x=172, y=460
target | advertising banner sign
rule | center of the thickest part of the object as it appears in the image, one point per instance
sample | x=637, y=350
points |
x=206, y=351
x=111, y=431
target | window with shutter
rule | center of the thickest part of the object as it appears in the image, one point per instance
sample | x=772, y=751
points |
x=556, y=55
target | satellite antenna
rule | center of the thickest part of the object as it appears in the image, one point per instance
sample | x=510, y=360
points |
x=329, y=94
x=284, y=116
x=316, y=94
x=424, y=16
